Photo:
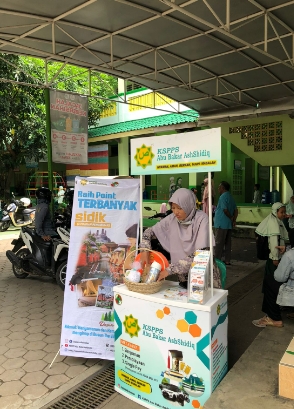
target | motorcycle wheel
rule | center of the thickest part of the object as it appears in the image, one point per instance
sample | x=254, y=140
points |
x=20, y=272
x=61, y=274
x=4, y=226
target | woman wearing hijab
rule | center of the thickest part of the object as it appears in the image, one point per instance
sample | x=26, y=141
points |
x=181, y=234
x=290, y=214
x=272, y=227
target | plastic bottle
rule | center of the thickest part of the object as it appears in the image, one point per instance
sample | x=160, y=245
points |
x=154, y=272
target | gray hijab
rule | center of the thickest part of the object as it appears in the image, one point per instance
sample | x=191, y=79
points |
x=182, y=239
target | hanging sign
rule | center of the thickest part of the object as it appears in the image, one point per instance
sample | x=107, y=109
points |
x=198, y=151
x=69, y=127
x=104, y=230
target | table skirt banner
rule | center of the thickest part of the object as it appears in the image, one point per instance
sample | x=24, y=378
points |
x=104, y=231
x=169, y=354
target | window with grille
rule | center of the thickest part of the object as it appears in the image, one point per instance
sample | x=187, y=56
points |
x=264, y=137
x=237, y=182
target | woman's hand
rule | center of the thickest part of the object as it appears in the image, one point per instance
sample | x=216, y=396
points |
x=281, y=249
x=276, y=262
x=162, y=275
x=144, y=259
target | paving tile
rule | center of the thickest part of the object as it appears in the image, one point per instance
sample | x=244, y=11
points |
x=33, y=391
x=19, y=321
x=34, y=378
x=11, y=388
x=52, y=339
x=50, y=356
x=12, y=375
x=15, y=352
x=52, y=324
x=76, y=370
x=52, y=347
x=35, y=355
x=71, y=360
x=5, y=333
x=13, y=363
x=36, y=316
x=17, y=343
x=2, y=359
x=52, y=312
x=35, y=337
x=35, y=366
x=56, y=369
x=18, y=335
x=9, y=302
x=55, y=381
x=3, y=349
x=35, y=323
x=6, y=319
x=53, y=331
x=8, y=308
x=52, y=317
x=32, y=346
x=35, y=310
x=21, y=327
x=4, y=340
x=35, y=329
x=11, y=402
x=5, y=325
x=20, y=314
x=33, y=307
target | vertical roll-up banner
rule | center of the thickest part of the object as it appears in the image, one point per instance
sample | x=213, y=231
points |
x=69, y=127
x=104, y=231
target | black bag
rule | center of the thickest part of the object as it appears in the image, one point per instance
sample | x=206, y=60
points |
x=262, y=246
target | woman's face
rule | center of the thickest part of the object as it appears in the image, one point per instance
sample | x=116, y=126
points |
x=281, y=213
x=178, y=212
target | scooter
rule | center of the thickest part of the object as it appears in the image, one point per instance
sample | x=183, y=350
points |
x=39, y=257
x=17, y=214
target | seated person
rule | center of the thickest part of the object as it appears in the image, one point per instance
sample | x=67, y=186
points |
x=43, y=222
x=181, y=233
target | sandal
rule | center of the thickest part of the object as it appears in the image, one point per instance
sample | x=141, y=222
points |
x=267, y=322
x=290, y=316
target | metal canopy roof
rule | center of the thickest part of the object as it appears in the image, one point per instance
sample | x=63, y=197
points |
x=210, y=55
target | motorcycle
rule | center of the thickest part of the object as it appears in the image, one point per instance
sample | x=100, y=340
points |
x=17, y=213
x=39, y=257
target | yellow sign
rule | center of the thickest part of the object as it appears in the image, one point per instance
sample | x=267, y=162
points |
x=186, y=165
x=144, y=156
x=136, y=383
x=131, y=326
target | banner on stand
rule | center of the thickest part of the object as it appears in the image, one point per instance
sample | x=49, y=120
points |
x=104, y=231
x=198, y=151
x=69, y=127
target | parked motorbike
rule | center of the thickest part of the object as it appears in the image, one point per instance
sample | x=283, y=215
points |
x=32, y=255
x=17, y=213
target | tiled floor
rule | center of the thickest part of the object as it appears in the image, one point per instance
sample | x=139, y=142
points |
x=30, y=322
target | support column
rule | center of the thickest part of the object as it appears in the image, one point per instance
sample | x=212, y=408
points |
x=192, y=180
x=49, y=145
x=256, y=172
x=123, y=157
